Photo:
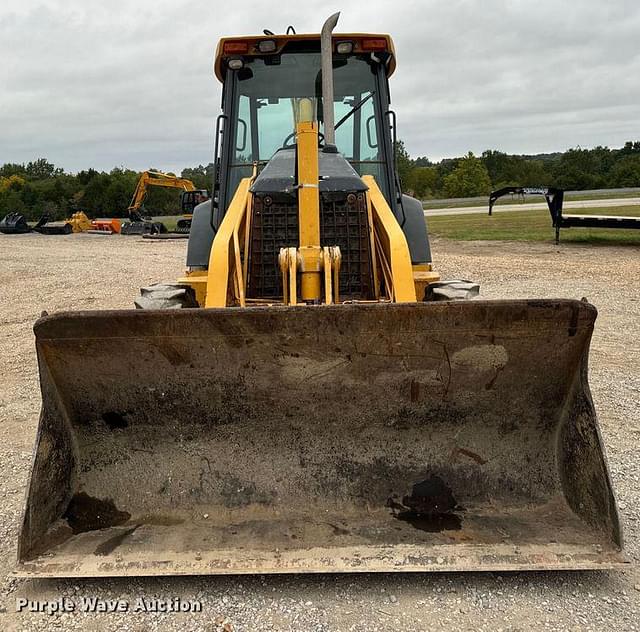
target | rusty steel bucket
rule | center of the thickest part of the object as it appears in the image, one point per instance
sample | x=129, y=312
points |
x=431, y=437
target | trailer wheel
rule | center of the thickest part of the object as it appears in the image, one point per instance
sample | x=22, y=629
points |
x=166, y=296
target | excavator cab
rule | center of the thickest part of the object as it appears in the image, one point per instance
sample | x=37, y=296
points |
x=188, y=201
x=292, y=404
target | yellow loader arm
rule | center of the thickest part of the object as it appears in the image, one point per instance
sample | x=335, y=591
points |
x=315, y=265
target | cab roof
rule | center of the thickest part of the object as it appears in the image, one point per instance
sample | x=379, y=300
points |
x=247, y=46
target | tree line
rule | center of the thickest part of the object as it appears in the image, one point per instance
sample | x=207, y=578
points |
x=40, y=187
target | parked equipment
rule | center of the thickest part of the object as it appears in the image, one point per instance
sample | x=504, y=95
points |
x=77, y=223
x=14, y=224
x=105, y=226
x=189, y=199
x=555, y=198
x=139, y=225
x=317, y=415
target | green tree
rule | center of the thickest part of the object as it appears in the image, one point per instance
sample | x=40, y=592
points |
x=12, y=169
x=581, y=169
x=422, y=161
x=12, y=183
x=630, y=148
x=39, y=185
x=11, y=202
x=32, y=201
x=423, y=182
x=626, y=172
x=41, y=168
x=533, y=173
x=468, y=179
x=445, y=167
x=201, y=176
x=505, y=170
x=93, y=197
x=500, y=167
x=116, y=197
x=84, y=177
x=403, y=162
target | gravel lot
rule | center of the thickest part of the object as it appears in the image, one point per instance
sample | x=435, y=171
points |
x=94, y=272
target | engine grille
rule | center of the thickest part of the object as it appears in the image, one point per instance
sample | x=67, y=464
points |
x=275, y=226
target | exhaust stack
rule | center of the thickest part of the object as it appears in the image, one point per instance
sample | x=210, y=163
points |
x=326, y=51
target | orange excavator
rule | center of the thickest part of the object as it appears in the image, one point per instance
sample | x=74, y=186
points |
x=140, y=224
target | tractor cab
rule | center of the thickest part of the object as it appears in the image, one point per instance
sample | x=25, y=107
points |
x=268, y=80
x=270, y=84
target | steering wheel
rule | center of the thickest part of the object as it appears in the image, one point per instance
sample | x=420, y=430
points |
x=285, y=143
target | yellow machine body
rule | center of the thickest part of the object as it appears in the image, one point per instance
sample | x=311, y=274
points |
x=333, y=422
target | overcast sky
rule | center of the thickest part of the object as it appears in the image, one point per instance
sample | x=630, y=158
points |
x=94, y=83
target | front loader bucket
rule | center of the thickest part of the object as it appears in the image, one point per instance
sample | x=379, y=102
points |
x=363, y=437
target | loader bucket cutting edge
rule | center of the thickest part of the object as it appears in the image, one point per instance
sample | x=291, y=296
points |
x=429, y=437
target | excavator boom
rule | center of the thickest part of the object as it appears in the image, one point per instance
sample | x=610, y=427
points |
x=158, y=179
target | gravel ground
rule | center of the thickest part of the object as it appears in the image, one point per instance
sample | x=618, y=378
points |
x=94, y=272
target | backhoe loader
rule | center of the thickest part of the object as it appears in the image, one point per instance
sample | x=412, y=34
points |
x=292, y=404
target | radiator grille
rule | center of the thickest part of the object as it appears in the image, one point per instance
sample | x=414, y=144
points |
x=342, y=224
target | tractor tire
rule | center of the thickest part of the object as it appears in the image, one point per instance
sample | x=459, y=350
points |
x=166, y=296
x=452, y=291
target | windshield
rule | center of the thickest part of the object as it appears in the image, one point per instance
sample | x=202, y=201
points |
x=267, y=100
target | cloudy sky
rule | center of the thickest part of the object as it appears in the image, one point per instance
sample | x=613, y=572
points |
x=94, y=83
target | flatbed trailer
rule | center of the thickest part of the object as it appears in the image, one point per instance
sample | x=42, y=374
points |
x=555, y=198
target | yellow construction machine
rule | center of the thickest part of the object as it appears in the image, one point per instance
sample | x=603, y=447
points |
x=77, y=223
x=189, y=199
x=309, y=397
